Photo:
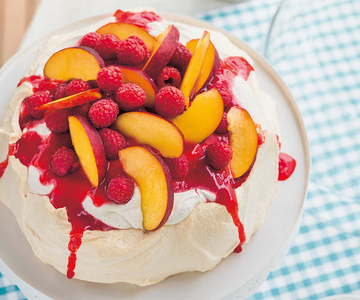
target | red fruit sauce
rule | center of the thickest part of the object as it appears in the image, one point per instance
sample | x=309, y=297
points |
x=287, y=166
x=140, y=19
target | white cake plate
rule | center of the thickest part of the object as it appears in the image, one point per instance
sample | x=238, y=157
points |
x=237, y=276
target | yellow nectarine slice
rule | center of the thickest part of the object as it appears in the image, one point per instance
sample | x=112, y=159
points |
x=152, y=130
x=89, y=148
x=194, y=67
x=154, y=180
x=202, y=118
x=243, y=140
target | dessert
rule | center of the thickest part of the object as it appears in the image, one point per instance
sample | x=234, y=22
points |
x=192, y=181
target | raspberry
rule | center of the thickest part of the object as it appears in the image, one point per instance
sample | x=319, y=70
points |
x=77, y=86
x=223, y=126
x=36, y=100
x=90, y=39
x=130, y=96
x=169, y=102
x=108, y=46
x=132, y=51
x=64, y=161
x=169, y=76
x=178, y=167
x=113, y=142
x=120, y=189
x=218, y=154
x=57, y=120
x=180, y=58
x=103, y=113
x=225, y=93
x=60, y=91
x=110, y=79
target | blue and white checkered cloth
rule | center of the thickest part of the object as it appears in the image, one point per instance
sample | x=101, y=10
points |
x=316, y=49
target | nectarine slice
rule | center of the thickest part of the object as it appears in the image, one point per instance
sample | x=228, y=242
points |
x=73, y=100
x=74, y=62
x=153, y=177
x=211, y=63
x=243, y=140
x=194, y=67
x=89, y=148
x=202, y=118
x=123, y=30
x=152, y=130
x=137, y=76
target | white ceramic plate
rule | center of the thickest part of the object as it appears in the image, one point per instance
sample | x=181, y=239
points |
x=238, y=275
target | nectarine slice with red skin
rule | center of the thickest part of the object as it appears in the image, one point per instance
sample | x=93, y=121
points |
x=74, y=62
x=211, y=63
x=202, y=118
x=194, y=67
x=73, y=100
x=153, y=177
x=139, y=77
x=123, y=30
x=243, y=140
x=153, y=130
x=89, y=148
x=162, y=51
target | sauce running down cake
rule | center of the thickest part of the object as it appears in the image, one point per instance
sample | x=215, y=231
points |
x=139, y=148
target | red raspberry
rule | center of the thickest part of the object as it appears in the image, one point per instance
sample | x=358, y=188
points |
x=180, y=58
x=132, y=51
x=169, y=76
x=130, y=96
x=178, y=167
x=120, y=189
x=103, y=113
x=57, y=120
x=113, y=142
x=110, y=79
x=225, y=93
x=64, y=161
x=218, y=154
x=108, y=46
x=169, y=102
x=223, y=126
x=60, y=91
x=77, y=86
x=90, y=39
x=36, y=100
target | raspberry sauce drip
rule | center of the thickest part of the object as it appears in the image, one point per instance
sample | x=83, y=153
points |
x=41, y=83
x=287, y=166
x=3, y=166
x=140, y=19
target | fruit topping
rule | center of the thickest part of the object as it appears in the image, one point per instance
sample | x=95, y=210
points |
x=120, y=189
x=90, y=39
x=77, y=86
x=64, y=161
x=153, y=177
x=130, y=96
x=169, y=102
x=169, y=76
x=152, y=130
x=225, y=93
x=218, y=155
x=110, y=79
x=57, y=119
x=223, y=126
x=35, y=100
x=60, y=91
x=180, y=58
x=108, y=46
x=132, y=51
x=103, y=113
x=178, y=167
x=113, y=142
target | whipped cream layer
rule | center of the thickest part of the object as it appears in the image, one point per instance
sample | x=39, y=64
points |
x=198, y=234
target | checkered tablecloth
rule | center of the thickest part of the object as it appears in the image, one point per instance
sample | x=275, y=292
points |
x=316, y=48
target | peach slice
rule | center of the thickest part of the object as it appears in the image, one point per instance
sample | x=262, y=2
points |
x=74, y=62
x=152, y=130
x=154, y=180
x=123, y=30
x=143, y=80
x=73, y=100
x=194, y=67
x=243, y=140
x=211, y=63
x=162, y=51
x=202, y=118
x=89, y=148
